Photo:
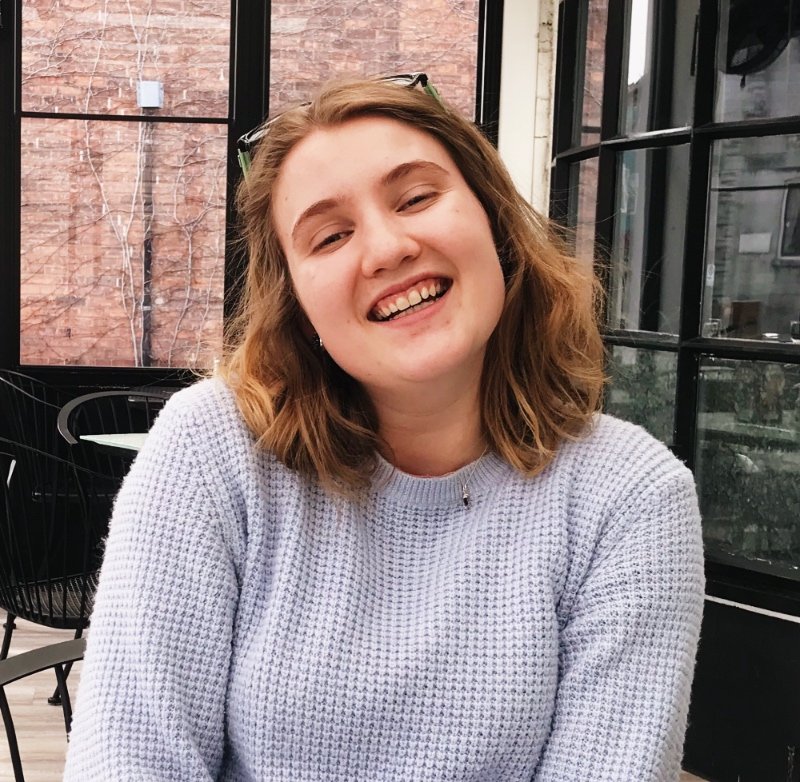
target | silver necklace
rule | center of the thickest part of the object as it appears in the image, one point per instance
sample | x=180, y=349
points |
x=465, y=496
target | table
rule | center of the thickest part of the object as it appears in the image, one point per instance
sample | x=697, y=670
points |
x=126, y=441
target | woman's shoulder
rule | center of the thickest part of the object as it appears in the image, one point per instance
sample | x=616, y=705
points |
x=615, y=458
x=201, y=423
x=620, y=444
x=208, y=406
x=209, y=394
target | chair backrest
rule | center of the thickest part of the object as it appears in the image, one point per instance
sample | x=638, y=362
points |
x=30, y=409
x=53, y=521
x=107, y=412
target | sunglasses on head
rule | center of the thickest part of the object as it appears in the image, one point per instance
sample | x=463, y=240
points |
x=245, y=143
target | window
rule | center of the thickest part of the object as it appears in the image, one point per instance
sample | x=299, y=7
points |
x=125, y=173
x=123, y=183
x=680, y=132
x=312, y=42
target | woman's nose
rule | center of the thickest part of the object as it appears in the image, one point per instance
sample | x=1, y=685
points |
x=387, y=244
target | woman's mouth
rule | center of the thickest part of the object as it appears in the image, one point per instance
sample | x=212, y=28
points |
x=418, y=297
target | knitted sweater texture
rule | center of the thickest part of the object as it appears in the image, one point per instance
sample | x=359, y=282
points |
x=248, y=626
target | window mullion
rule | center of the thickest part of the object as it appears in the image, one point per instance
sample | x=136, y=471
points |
x=10, y=185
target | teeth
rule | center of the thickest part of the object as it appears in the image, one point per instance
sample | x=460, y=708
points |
x=416, y=298
x=423, y=305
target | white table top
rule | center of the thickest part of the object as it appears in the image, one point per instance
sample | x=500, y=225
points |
x=130, y=441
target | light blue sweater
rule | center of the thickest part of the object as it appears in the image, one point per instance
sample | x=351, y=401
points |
x=250, y=627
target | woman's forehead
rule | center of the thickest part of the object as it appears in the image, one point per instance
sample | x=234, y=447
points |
x=343, y=160
x=375, y=138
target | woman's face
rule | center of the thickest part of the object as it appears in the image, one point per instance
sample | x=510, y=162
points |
x=390, y=252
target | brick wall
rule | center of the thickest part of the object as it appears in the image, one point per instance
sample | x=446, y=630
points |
x=587, y=131
x=592, y=99
x=85, y=185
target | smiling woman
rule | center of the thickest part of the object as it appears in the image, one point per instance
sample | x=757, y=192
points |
x=428, y=556
x=403, y=218
x=360, y=195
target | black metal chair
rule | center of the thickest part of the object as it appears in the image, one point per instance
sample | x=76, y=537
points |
x=55, y=656
x=31, y=409
x=53, y=521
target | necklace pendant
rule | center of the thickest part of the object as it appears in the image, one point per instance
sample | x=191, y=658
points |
x=465, y=495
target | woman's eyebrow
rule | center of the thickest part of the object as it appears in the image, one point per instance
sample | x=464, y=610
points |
x=317, y=208
x=410, y=167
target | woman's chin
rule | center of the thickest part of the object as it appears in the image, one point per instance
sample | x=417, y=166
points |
x=430, y=370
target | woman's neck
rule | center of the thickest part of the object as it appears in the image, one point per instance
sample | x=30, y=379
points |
x=430, y=435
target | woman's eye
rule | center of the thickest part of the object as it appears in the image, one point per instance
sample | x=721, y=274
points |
x=416, y=199
x=329, y=240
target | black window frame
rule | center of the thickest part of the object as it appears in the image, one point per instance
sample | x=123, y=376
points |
x=726, y=581
x=248, y=105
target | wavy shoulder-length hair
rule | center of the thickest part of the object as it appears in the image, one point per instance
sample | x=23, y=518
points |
x=543, y=371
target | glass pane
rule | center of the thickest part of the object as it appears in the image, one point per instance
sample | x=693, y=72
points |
x=647, y=248
x=752, y=279
x=84, y=58
x=583, y=206
x=642, y=388
x=747, y=463
x=589, y=77
x=758, y=59
x=790, y=240
x=658, y=91
x=311, y=43
x=122, y=236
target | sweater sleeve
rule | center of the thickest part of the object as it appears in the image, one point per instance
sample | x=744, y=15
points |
x=151, y=699
x=628, y=643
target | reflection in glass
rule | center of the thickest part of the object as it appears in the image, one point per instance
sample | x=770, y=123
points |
x=642, y=388
x=90, y=58
x=747, y=463
x=758, y=59
x=589, y=72
x=312, y=42
x=647, y=247
x=752, y=278
x=583, y=206
x=659, y=89
x=790, y=240
x=122, y=236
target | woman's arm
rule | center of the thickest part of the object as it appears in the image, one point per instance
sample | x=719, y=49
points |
x=628, y=645
x=151, y=700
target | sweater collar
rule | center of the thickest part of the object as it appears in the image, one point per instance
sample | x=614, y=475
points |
x=482, y=477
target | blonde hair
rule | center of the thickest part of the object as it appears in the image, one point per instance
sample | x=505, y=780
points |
x=543, y=371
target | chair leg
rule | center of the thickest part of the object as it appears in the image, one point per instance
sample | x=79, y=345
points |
x=11, y=735
x=10, y=627
x=55, y=698
x=66, y=705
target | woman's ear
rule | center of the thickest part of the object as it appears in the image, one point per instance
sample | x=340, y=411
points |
x=309, y=332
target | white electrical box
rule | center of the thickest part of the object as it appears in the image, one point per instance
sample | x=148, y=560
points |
x=150, y=94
